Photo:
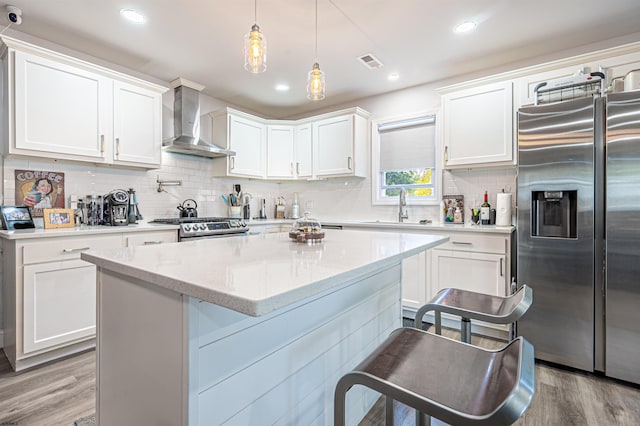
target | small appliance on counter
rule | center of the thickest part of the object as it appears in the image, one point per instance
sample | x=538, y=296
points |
x=116, y=208
x=134, y=211
x=263, y=209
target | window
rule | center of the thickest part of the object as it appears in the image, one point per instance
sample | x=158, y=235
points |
x=404, y=156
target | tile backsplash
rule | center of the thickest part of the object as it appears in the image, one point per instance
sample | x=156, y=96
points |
x=331, y=199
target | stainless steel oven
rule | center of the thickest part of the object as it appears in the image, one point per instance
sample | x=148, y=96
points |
x=195, y=228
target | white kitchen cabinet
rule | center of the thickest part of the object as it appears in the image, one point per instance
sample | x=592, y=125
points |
x=339, y=146
x=329, y=145
x=303, y=151
x=280, y=152
x=137, y=125
x=59, y=304
x=244, y=134
x=478, y=126
x=60, y=107
x=49, y=293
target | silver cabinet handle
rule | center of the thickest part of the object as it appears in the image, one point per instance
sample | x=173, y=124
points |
x=501, y=267
x=292, y=172
x=102, y=144
x=446, y=153
x=349, y=161
x=233, y=163
x=461, y=243
x=118, y=146
x=297, y=168
x=72, y=250
x=149, y=243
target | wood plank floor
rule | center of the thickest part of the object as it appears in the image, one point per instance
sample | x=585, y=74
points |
x=61, y=392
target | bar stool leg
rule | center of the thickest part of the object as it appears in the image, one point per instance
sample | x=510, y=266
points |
x=438, y=316
x=422, y=419
x=388, y=410
x=465, y=330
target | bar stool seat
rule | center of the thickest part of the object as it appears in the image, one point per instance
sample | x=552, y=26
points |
x=454, y=382
x=471, y=305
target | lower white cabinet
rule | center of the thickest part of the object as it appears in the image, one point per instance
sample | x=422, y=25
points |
x=49, y=294
x=59, y=304
x=414, y=279
x=479, y=272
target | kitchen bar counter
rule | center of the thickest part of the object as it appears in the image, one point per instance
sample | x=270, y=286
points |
x=250, y=330
x=258, y=274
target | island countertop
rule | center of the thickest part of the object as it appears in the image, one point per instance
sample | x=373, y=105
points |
x=258, y=274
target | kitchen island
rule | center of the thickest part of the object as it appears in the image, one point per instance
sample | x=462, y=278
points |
x=244, y=330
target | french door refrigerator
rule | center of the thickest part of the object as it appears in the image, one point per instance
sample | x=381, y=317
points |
x=578, y=222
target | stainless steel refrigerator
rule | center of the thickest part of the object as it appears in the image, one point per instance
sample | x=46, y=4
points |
x=579, y=232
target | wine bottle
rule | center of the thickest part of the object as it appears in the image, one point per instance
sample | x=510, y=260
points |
x=484, y=210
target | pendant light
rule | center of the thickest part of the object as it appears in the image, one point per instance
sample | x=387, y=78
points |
x=315, y=82
x=255, y=47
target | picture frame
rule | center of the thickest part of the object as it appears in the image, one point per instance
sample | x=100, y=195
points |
x=454, y=209
x=58, y=218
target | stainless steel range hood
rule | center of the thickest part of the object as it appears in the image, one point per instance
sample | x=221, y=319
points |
x=186, y=123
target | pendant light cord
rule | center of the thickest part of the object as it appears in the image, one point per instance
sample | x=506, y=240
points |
x=255, y=11
x=316, y=30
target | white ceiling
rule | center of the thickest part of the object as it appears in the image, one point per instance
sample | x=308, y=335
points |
x=201, y=40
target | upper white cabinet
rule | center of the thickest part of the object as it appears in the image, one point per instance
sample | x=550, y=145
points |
x=60, y=107
x=339, y=146
x=280, y=151
x=244, y=134
x=478, y=126
x=330, y=145
x=137, y=124
x=303, y=151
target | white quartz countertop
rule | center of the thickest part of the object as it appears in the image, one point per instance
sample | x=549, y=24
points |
x=410, y=226
x=83, y=230
x=257, y=274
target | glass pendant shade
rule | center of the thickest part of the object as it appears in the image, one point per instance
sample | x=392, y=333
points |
x=255, y=51
x=315, y=84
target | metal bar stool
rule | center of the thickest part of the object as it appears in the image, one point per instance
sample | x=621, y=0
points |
x=470, y=305
x=454, y=382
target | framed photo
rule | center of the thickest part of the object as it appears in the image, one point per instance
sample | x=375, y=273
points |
x=16, y=217
x=58, y=218
x=454, y=208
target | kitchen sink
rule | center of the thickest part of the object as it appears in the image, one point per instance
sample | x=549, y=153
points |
x=390, y=222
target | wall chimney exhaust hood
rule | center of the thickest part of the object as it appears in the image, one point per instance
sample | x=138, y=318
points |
x=186, y=123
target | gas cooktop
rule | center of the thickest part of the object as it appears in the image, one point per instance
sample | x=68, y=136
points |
x=202, y=227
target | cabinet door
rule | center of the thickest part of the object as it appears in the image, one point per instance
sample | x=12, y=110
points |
x=479, y=272
x=414, y=281
x=303, y=157
x=246, y=138
x=137, y=124
x=60, y=109
x=333, y=146
x=280, y=141
x=59, y=304
x=478, y=125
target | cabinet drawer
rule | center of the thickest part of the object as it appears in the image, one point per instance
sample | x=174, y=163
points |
x=150, y=238
x=477, y=243
x=55, y=249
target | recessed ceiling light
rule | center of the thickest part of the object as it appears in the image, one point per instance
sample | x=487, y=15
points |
x=282, y=87
x=132, y=15
x=394, y=76
x=465, y=27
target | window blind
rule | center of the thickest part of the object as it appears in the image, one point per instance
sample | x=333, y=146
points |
x=408, y=144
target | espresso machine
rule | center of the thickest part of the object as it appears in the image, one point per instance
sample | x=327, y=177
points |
x=116, y=208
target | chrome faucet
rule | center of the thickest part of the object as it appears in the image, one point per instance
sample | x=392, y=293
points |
x=402, y=214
